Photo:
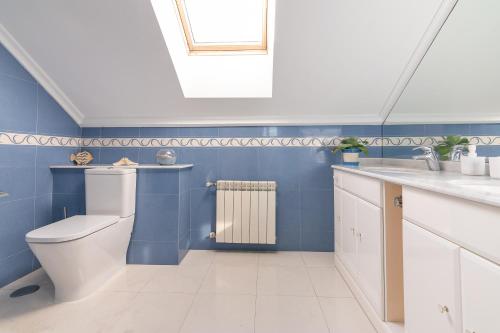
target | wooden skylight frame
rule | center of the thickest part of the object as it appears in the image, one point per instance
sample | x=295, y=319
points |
x=214, y=48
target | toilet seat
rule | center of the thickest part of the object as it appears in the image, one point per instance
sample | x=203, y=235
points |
x=71, y=228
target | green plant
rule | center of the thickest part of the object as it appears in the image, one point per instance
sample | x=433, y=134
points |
x=445, y=146
x=351, y=143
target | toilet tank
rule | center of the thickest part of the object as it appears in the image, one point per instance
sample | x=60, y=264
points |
x=110, y=191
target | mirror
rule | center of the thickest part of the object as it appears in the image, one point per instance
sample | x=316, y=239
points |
x=456, y=88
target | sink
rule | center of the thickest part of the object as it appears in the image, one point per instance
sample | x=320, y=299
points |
x=393, y=170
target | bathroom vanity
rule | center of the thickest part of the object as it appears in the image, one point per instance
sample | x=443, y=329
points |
x=420, y=249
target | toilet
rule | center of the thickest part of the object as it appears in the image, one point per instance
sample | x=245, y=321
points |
x=82, y=252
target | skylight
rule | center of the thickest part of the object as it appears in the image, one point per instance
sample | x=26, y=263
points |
x=235, y=37
x=224, y=25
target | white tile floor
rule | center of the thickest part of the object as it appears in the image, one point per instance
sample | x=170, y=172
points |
x=210, y=292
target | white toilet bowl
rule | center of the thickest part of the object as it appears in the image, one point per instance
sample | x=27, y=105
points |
x=82, y=252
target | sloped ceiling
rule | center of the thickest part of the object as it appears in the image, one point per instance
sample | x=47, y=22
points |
x=336, y=61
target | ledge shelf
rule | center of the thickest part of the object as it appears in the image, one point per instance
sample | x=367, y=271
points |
x=139, y=166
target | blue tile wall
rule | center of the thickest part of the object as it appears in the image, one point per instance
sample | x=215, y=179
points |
x=424, y=130
x=304, y=198
x=25, y=107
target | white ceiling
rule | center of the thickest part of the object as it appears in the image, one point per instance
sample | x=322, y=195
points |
x=105, y=61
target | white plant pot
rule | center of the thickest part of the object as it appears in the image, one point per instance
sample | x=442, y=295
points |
x=350, y=158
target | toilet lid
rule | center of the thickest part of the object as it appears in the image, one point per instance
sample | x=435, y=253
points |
x=71, y=228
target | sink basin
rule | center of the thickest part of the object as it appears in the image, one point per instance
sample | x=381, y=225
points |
x=393, y=170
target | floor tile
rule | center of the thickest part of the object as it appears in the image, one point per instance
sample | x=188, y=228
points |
x=212, y=313
x=289, y=314
x=184, y=279
x=235, y=258
x=198, y=257
x=328, y=282
x=284, y=280
x=318, y=259
x=131, y=278
x=97, y=313
x=154, y=312
x=230, y=279
x=344, y=315
x=280, y=259
x=23, y=309
x=38, y=277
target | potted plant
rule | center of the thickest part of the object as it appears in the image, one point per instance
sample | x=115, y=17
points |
x=445, y=147
x=350, y=148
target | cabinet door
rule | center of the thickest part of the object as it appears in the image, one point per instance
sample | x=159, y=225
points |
x=431, y=282
x=480, y=294
x=369, y=259
x=348, y=211
x=337, y=211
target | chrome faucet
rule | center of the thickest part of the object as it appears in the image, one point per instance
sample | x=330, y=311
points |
x=457, y=153
x=429, y=156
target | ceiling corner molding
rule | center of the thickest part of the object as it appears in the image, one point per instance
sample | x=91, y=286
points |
x=430, y=34
x=234, y=121
x=443, y=118
x=39, y=74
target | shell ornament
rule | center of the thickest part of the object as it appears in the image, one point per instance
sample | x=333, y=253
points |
x=81, y=158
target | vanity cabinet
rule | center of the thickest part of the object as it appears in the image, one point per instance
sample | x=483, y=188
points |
x=431, y=282
x=358, y=234
x=451, y=254
x=480, y=294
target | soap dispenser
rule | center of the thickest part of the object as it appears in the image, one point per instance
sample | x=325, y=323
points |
x=472, y=164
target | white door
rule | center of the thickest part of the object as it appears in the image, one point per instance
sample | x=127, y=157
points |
x=480, y=294
x=348, y=216
x=369, y=245
x=431, y=282
x=337, y=211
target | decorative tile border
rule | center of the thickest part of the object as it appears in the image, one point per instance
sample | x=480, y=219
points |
x=432, y=140
x=38, y=140
x=7, y=138
x=220, y=142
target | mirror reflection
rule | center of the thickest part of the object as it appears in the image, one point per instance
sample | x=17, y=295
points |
x=453, y=98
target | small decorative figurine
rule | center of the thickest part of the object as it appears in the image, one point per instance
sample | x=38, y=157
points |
x=81, y=158
x=166, y=157
x=124, y=161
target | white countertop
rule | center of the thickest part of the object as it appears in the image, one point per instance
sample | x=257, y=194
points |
x=139, y=166
x=482, y=189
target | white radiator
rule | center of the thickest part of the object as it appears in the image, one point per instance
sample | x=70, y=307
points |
x=246, y=212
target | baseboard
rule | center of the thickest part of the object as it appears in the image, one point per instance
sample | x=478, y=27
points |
x=380, y=325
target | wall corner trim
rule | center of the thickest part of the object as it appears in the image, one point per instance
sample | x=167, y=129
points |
x=443, y=12
x=39, y=74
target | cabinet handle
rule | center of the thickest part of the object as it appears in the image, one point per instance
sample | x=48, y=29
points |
x=359, y=236
x=468, y=331
x=443, y=308
x=353, y=231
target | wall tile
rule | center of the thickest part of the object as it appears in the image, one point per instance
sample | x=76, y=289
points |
x=317, y=210
x=238, y=163
x=9, y=66
x=159, y=132
x=112, y=155
x=317, y=240
x=16, y=219
x=158, y=181
x=152, y=253
x=52, y=119
x=157, y=218
x=43, y=211
x=198, y=132
x=91, y=132
x=120, y=132
x=205, y=165
x=74, y=203
x=283, y=165
x=18, y=105
x=15, y=266
x=316, y=172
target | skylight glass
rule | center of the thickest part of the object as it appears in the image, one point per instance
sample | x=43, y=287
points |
x=224, y=25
